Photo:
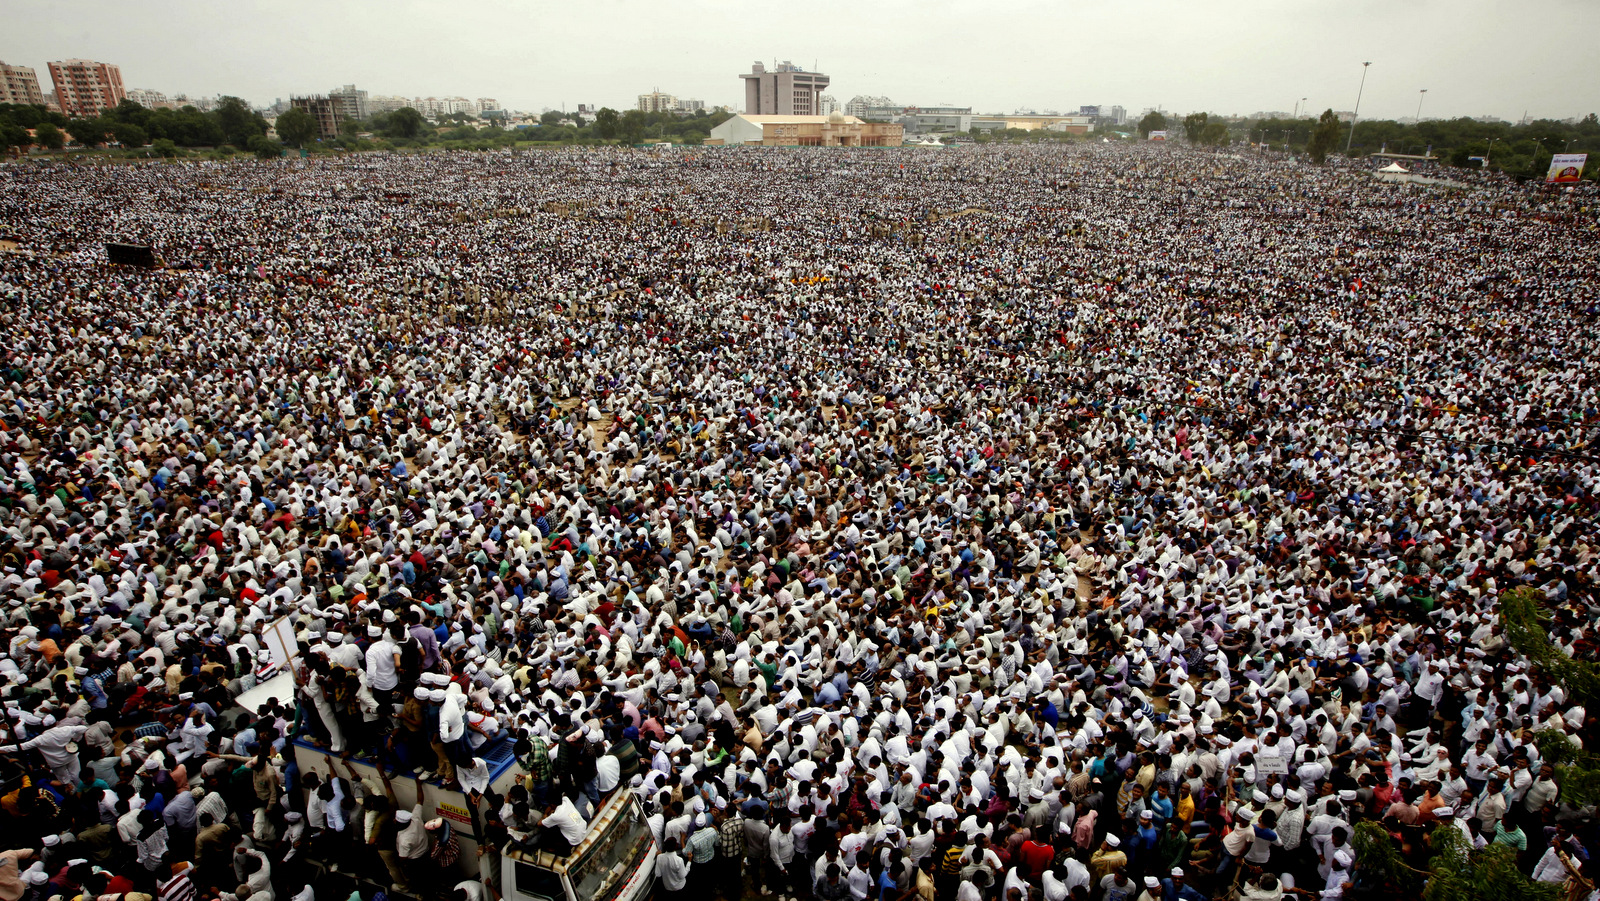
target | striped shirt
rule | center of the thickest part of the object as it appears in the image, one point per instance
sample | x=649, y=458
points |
x=177, y=888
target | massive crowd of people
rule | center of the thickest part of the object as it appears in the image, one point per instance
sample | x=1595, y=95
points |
x=978, y=524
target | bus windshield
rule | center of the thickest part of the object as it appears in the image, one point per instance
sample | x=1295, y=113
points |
x=605, y=868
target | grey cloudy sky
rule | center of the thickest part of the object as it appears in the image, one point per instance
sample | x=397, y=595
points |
x=1475, y=57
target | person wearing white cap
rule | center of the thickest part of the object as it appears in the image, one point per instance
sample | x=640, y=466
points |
x=1340, y=875
x=57, y=745
x=411, y=842
x=1106, y=859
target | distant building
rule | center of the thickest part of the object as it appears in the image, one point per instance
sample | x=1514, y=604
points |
x=919, y=120
x=587, y=109
x=349, y=103
x=1092, y=111
x=688, y=107
x=149, y=99
x=657, y=102
x=85, y=88
x=860, y=103
x=387, y=104
x=836, y=130
x=828, y=105
x=487, y=105
x=435, y=107
x=19, y=84
x=1119, y=115
x=203, y=104
x=324, y=111
x=1079, y=125
x=787, y=91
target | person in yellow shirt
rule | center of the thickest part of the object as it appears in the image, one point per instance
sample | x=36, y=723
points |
x=1184, y=809
x=1107, y=860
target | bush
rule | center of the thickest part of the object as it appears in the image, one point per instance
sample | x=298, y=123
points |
x=265, y=148
x=165, y=147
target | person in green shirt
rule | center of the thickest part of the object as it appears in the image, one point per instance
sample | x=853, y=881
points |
x=1513, y=837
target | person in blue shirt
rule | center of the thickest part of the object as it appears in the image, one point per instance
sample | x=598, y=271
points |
x=1049, y=714
x=1175, y=888
x=887, y=887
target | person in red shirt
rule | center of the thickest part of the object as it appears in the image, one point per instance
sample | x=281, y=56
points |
x=1036, y=857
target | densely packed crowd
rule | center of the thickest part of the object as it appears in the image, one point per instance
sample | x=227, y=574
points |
x=980, y=523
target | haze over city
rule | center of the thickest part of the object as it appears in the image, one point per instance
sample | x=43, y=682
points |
x=1481, y=57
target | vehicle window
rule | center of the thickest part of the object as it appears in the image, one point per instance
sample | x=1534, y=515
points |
x=602, y=872
x=538, y=882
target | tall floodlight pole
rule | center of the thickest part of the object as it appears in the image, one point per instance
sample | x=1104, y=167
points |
x=1354, y=115
x=1422, y=94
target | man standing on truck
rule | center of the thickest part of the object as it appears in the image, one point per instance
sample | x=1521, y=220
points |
x=533, y=754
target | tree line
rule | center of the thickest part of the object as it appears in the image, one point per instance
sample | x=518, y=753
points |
x=233, y=127
x=1523, y=149
x=231, y=124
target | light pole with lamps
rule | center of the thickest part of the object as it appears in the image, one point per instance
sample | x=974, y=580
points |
x=1420, y=95
x=1307, y=109
x=1357, y=112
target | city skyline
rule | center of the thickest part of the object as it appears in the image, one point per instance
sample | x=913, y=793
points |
x=1231, y=57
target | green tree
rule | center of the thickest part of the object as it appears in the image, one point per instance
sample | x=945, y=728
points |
x=296, y=127
x=1325, y=137
x=1455, y=871
x=405, y=122
x=128, y=111
x=264, y=147
x=632, y=128
x=606, y=122
x=12, y=135
x=551, y=118
x=88, y=132
x=1152, y=121
x=1527, y=628
x=129, y=134
x=164, y=147
x=238, y=122
x=1215, y=134
x=49, y=136
x=1194, y=127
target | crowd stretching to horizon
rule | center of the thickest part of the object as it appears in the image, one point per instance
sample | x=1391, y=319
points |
x=973, y=524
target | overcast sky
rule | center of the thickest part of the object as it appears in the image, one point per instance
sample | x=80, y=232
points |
x=1475, y=57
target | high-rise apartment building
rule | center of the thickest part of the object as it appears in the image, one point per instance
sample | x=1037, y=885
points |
x=149, y=99
x=85, y=88
x=324, y=110
x=787, y=91
x=860, y=103
x=349, y=103
x=19, y=84
x=657, y=102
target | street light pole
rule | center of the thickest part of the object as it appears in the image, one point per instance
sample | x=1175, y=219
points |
x=1303, y=103
x=1357, y=112
x=1420, y=96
